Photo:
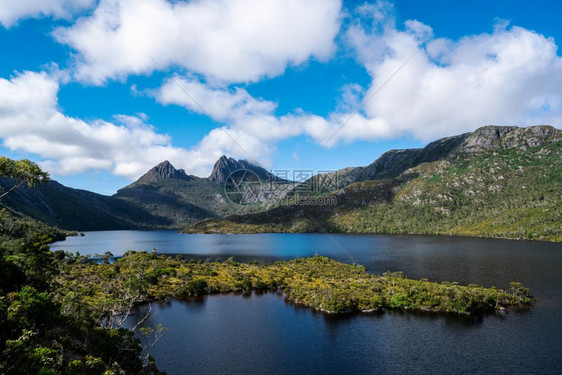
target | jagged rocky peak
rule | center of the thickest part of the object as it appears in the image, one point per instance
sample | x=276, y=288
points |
x=222, y=169
x=496, y=137
x=225, y=166
x=165, y=171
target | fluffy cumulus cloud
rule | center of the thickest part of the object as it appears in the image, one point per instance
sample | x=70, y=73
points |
x=421, y=86
x=248, y=119
x=30, y=121
x=11, y=11
x=510, y=76
x=226, y=40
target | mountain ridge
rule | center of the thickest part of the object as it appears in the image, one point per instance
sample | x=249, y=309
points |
x=496, y=182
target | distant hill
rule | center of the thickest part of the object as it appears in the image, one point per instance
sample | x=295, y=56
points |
x=499, y=181
x=74, y=209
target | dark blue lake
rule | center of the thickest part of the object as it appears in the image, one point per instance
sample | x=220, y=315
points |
x=262, y=334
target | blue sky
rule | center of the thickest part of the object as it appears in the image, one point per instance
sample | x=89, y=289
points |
x=98, y=92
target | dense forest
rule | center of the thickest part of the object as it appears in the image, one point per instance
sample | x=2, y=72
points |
x=38, y=335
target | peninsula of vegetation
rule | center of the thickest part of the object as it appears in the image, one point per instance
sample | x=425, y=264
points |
x=317, y=282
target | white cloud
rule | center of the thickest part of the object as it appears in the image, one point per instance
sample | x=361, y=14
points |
x=511, y=76
x=219, y=103
x=11, y=11
x=30, y=121
x=248, y=119
x=226, y=40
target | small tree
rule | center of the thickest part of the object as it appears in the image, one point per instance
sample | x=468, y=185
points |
x=22, y=171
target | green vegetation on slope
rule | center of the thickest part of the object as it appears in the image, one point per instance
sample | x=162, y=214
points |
x=37, y=336
x=316, y=282
x=512, y=193
x=507, y=193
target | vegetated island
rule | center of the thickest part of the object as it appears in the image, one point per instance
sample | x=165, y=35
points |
x=317, y=282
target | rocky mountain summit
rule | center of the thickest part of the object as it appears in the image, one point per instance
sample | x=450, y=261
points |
x=503, y=137
x=395, y=162
x=165, y=171
x=225, y=166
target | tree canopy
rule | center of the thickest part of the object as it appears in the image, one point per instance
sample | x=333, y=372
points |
x=22, y=171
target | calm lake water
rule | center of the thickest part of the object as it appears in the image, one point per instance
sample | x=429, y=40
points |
x=263, y=334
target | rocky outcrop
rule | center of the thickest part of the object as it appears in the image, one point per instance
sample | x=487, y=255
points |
x=225, y=166
x=395, y=162
x=495, y=137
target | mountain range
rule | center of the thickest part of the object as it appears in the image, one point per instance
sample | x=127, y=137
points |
x=499, y=181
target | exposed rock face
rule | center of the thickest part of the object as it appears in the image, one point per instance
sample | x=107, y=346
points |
x=164, y=171
x=225, y=166
x=496, y=137
x=394, y=162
